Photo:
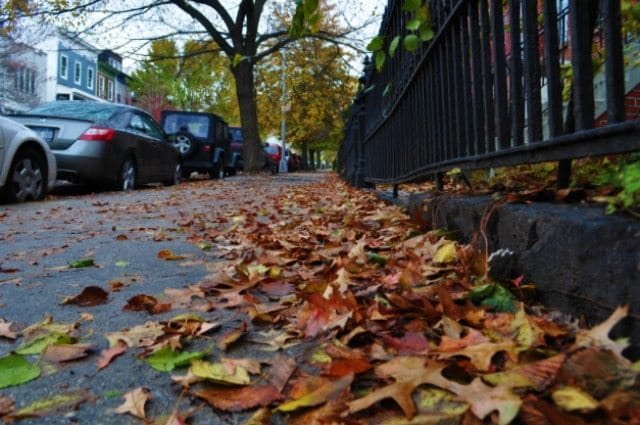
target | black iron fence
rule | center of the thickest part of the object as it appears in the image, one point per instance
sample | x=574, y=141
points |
x=501, y=83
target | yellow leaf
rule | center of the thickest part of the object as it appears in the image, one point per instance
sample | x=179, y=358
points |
x=446, y=253
x=326, y=392
x=218, y=372
x=572, y=398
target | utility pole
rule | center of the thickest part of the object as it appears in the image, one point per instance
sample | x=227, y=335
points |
x=283, y=158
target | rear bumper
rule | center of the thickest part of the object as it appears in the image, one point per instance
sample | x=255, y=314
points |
x=87, y=161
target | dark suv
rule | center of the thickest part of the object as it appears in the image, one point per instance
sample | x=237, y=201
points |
x=203, y=141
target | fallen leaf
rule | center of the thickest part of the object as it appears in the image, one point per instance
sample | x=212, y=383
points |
x=165, y=360
x=7, y=405
x=52, y=404
x=66, y=352
x=537, y=375
x=239, y=399
x=167, y=255
x=78, y=264
x=218, y=373
x=326, y=392
x=224, y=341
x=282, y=367
x=5, y=330
x=147, y=303
x=446, y=253
x=598, y=336
x=108, y=355
x=138, y=336
x=40, y=343
x=573, y=398
x=134, y=402
x=89, y=297
x=16, y=370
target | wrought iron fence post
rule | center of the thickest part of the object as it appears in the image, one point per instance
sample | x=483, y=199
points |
x=358, y=176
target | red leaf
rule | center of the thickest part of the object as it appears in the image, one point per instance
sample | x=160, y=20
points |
x=342, y=367
x=146, y=302
x=107, y=356
x=235, y=400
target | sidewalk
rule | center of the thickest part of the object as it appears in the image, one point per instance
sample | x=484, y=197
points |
x=276, y=299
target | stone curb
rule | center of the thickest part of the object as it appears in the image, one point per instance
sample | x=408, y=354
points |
x=584, y=263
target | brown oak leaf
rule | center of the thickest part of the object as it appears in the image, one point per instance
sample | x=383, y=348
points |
x=134, y=402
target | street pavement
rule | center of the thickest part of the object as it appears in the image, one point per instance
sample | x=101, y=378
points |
x=123, y=234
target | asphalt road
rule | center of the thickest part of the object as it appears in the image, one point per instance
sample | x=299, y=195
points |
x=122, y=233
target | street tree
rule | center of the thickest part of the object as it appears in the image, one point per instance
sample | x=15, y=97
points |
x=195, y=77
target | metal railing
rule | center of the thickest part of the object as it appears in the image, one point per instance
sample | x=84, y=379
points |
x=487, y=91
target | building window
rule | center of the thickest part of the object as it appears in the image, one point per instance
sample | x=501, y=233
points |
x=24, y=80
x=90, y=78
x=64, y=66
x=110, y=90
x=101, y=84
x=77, y=72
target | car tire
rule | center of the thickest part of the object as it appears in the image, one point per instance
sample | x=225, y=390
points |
x=127, y=180
x=185, y=144
x=177, y=176
x=231, y=171
x=27, y=177
x=217, y=171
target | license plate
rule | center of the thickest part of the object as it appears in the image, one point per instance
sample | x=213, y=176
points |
x=45, y=132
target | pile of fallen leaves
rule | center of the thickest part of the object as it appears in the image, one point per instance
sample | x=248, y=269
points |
x=360, y=318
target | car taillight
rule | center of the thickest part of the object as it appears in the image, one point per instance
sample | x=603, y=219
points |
x=206, y=148
x=98, y=134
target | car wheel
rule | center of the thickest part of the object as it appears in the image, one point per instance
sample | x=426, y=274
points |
x=177, y=176
x=185, y=144
x=217, y=171
x=231, y=171
x=127, y=175
x=26, y=178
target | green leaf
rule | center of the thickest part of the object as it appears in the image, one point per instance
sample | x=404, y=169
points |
x=16, y=370
x=166, y=360
x=376, y=44
x=411, y=42
x=52, y=404
x=411, y=5
x=40, y=344
x=205, y=246
x=414, y=24
x=237, y=58
x=394, y=45
x=310, y=7
x=494, y=296
x=218, y=372
x=426, y=33
x=377, y=258
x=122, y=263
x=86, y=262
x=635, y=12
x=379, y=58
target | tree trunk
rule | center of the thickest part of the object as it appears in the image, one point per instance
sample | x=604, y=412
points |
x=312, y=157
x=245, y=89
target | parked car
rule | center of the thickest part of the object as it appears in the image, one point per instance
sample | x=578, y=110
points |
x=27, y=166
x=293, y=161
x=203, y=140
x=105, y=143
x=274, y=153
x=237, y=146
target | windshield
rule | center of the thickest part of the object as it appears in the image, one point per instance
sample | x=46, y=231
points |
x=77, y=109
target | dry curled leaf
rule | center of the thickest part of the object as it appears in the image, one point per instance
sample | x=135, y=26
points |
x=147, y=303
x=89, y=297
x=134, y=402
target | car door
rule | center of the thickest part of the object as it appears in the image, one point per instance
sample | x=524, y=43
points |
x=144, y=147
x=164, y=161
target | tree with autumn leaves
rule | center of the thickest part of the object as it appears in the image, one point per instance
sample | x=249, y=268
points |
x=195, y=77
x=320, y=88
